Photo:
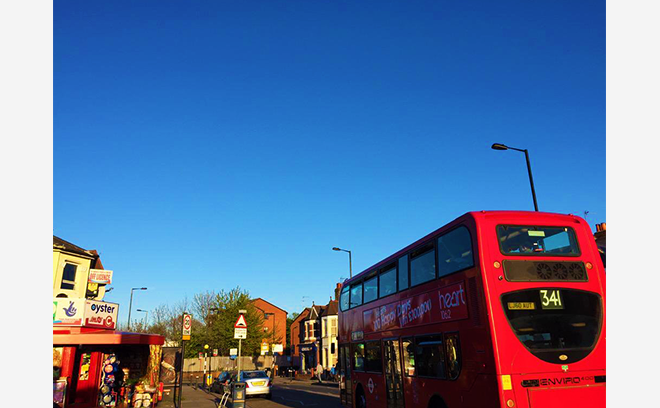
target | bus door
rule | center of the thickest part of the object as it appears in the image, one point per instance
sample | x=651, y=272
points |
x=393, y=380
x=345, y=383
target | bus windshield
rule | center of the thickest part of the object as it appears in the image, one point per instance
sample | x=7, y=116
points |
x=536, y=240
x=559, y=326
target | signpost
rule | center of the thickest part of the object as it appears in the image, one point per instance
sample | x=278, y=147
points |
x=186, y=331
x=240, y=333
x=187, y=326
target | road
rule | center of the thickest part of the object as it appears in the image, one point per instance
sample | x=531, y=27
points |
x=285, y=393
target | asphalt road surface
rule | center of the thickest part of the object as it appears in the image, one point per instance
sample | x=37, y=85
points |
x=298, y=395
x=285, y=394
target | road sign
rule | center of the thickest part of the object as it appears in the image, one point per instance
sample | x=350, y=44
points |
x=240, y=333
x=240, y=323
x=215, y=352
x=233, y=352
x=187, y=326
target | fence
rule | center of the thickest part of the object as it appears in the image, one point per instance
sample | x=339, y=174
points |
x=191, y=365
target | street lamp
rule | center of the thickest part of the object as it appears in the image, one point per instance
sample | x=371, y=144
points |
x=146, y=316
x=130, y=305
x=350, y=262
x=500, y=146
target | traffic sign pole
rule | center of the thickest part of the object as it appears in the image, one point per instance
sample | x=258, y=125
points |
x=240, y=324
x=186, y=328
x=239, y=359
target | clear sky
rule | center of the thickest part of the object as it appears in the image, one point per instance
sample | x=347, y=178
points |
x=208, y=145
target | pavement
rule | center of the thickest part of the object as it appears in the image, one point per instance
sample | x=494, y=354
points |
x=286, y=393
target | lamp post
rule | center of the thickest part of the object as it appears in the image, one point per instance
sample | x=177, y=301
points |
x=500, y=146
x=146, y=316
x=350, y=262
x=130, y=305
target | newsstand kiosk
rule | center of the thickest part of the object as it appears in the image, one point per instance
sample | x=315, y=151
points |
x=97, y=366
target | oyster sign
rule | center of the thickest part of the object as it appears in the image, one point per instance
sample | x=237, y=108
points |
x=100, y=314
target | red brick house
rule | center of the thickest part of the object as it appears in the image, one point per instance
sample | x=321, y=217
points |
x=274, y=324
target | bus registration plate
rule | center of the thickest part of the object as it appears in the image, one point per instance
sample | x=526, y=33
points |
x=521, y=306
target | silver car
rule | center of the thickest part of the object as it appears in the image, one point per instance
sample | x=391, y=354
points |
x=257, y=383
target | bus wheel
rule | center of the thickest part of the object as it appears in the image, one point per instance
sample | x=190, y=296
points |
x=360, y=399
x=437, y=402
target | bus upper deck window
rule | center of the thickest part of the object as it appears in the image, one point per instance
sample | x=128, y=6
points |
x=356, y=295
x=534, y=240
x=343, y=298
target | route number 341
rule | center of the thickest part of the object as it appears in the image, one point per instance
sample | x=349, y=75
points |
x=551, y=299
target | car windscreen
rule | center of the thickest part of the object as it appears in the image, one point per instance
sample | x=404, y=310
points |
x=534, y=240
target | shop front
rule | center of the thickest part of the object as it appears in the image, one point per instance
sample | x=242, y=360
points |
x=96, y=366
x=308, y=356
x=104, y=368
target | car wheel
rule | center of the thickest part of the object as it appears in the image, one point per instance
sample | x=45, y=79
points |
x=269, y=396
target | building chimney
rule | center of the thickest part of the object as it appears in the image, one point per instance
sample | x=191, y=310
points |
x=337, y=291
x=600, y=227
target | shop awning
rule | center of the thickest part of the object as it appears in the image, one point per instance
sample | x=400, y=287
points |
x=76, y=336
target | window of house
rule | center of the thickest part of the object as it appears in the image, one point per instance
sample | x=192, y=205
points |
x=387, y=282
x=356, y=295
x=422, y=265
x=403, y=272
x=69, y=276
x=430, y=356
x=372, y=358
x=358, y=357
x=408, y=357
x=333, y=327
x=371, y=289
x=454, y=251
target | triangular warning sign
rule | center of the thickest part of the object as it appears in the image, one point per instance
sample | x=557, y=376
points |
x=240, y=322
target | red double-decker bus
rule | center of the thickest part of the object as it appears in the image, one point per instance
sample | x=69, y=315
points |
x=495, y=309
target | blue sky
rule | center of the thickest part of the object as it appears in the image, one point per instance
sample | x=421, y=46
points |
x=209, y=145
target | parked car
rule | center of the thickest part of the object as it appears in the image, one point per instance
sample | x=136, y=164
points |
x=220, y=381
x=257, y=383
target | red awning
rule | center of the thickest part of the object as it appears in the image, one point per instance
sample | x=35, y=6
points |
x=75, y=336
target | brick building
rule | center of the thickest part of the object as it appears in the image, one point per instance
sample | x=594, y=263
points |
x=274, y=325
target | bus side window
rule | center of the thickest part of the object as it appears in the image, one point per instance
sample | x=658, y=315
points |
x=403, y=273
x=373, y=362
x=453, y=351
x=356, y=295
x=408, y=357
x=454, y=251
x=358, y=357
x=430, y=356
x=422, y=265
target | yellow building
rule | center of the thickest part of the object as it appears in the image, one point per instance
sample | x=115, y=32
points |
x=71, y=271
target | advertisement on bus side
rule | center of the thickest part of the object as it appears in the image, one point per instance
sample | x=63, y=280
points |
x=446, y=304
